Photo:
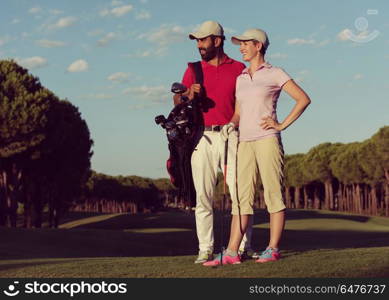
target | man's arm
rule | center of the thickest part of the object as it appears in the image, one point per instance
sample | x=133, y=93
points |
x=188, y=80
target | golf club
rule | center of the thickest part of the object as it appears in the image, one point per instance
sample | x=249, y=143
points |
x=178, y=88
x=223, y=201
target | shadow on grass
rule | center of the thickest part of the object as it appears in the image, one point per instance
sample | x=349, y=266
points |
x=178, y=219
x=117, y=237
x=10, y=266
x=262, y=216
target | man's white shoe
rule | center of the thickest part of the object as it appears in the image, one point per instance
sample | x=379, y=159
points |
x=203, y=257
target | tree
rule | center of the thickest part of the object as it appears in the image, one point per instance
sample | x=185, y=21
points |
x=381, y=141
x=24, y=103
x=317, y=168
x=44, y=147
x=294, y=176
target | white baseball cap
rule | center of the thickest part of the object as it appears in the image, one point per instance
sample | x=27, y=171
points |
x=206, y=29
x=252, y=34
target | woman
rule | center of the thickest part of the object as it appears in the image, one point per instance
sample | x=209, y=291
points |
x=260, y=148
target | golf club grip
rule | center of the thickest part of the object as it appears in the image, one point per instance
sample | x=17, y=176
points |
x=225, y=152
x=225, y=165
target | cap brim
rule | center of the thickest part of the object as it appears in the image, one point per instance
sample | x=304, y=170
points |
x=198, y=35
x=237, y=39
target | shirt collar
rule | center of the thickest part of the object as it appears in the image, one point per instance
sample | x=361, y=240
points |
x=264, y=65
x=225, y=60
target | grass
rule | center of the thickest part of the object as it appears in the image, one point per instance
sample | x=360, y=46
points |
x=315, y=244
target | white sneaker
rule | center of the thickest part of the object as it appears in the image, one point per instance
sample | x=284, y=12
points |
x=204, y=256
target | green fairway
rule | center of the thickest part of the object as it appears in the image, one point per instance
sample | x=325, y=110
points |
x=315, y=244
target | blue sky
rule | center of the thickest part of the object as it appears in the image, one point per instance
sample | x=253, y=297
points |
x=116, y=60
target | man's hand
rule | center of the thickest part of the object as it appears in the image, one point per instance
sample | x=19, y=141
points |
x=226, y=130
x=269, y=123
x=190, y=93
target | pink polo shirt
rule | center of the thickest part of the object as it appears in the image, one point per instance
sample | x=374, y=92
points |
x=219, y=85
x=257, y=98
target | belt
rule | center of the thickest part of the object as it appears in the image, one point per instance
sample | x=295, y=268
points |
x=216, y=128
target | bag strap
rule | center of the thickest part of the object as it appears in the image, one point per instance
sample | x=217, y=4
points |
x=198, y=72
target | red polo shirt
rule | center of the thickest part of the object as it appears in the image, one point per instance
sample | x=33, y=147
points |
x=219, y=84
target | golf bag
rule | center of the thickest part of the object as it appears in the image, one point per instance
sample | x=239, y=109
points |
x=184, y=127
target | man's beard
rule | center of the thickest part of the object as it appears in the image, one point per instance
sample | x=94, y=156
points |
x=209, y=54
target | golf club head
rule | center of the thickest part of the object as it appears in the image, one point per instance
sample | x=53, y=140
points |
x=178, y=88
x=160, y=119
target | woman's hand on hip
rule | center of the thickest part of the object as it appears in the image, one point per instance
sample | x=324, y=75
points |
x=269, y=123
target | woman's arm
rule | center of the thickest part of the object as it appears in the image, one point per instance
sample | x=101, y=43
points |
x=302, y=101
x=236, y=117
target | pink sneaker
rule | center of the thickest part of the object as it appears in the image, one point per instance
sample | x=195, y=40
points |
x=270, y=254
x=227, y=260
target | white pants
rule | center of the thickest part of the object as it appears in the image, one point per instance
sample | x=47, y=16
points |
x=207, y=157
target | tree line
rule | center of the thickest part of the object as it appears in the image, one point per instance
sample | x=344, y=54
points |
x=124, y=194
x=351, y=177
x=45, y=152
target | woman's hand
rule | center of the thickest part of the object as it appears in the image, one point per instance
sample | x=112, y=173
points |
x=269, y=123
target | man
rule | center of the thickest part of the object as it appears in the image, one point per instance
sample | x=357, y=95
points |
x=218, y=94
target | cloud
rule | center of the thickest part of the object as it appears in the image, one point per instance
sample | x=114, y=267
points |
x=98, y=96
x=78, y=66
x=116, y=3
x=361, y=37
x=143, y=15
x=308, y=41
x=34, y=62
x=299, y=41
x=106, y=39
x=56, y=11
x=159, y=52
x=122, y=10
x=117, y=11
x=358, y=76
x=344, y=35
x=50, y=44
x=34, y=10
x=119, y=77
x=63, y=23
x=95, y=32
x=15, y=21
x=278, y=55
x=104, y=12
x=323, y=43
x=162, y=37
x=165, y=35
x=155, y=94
